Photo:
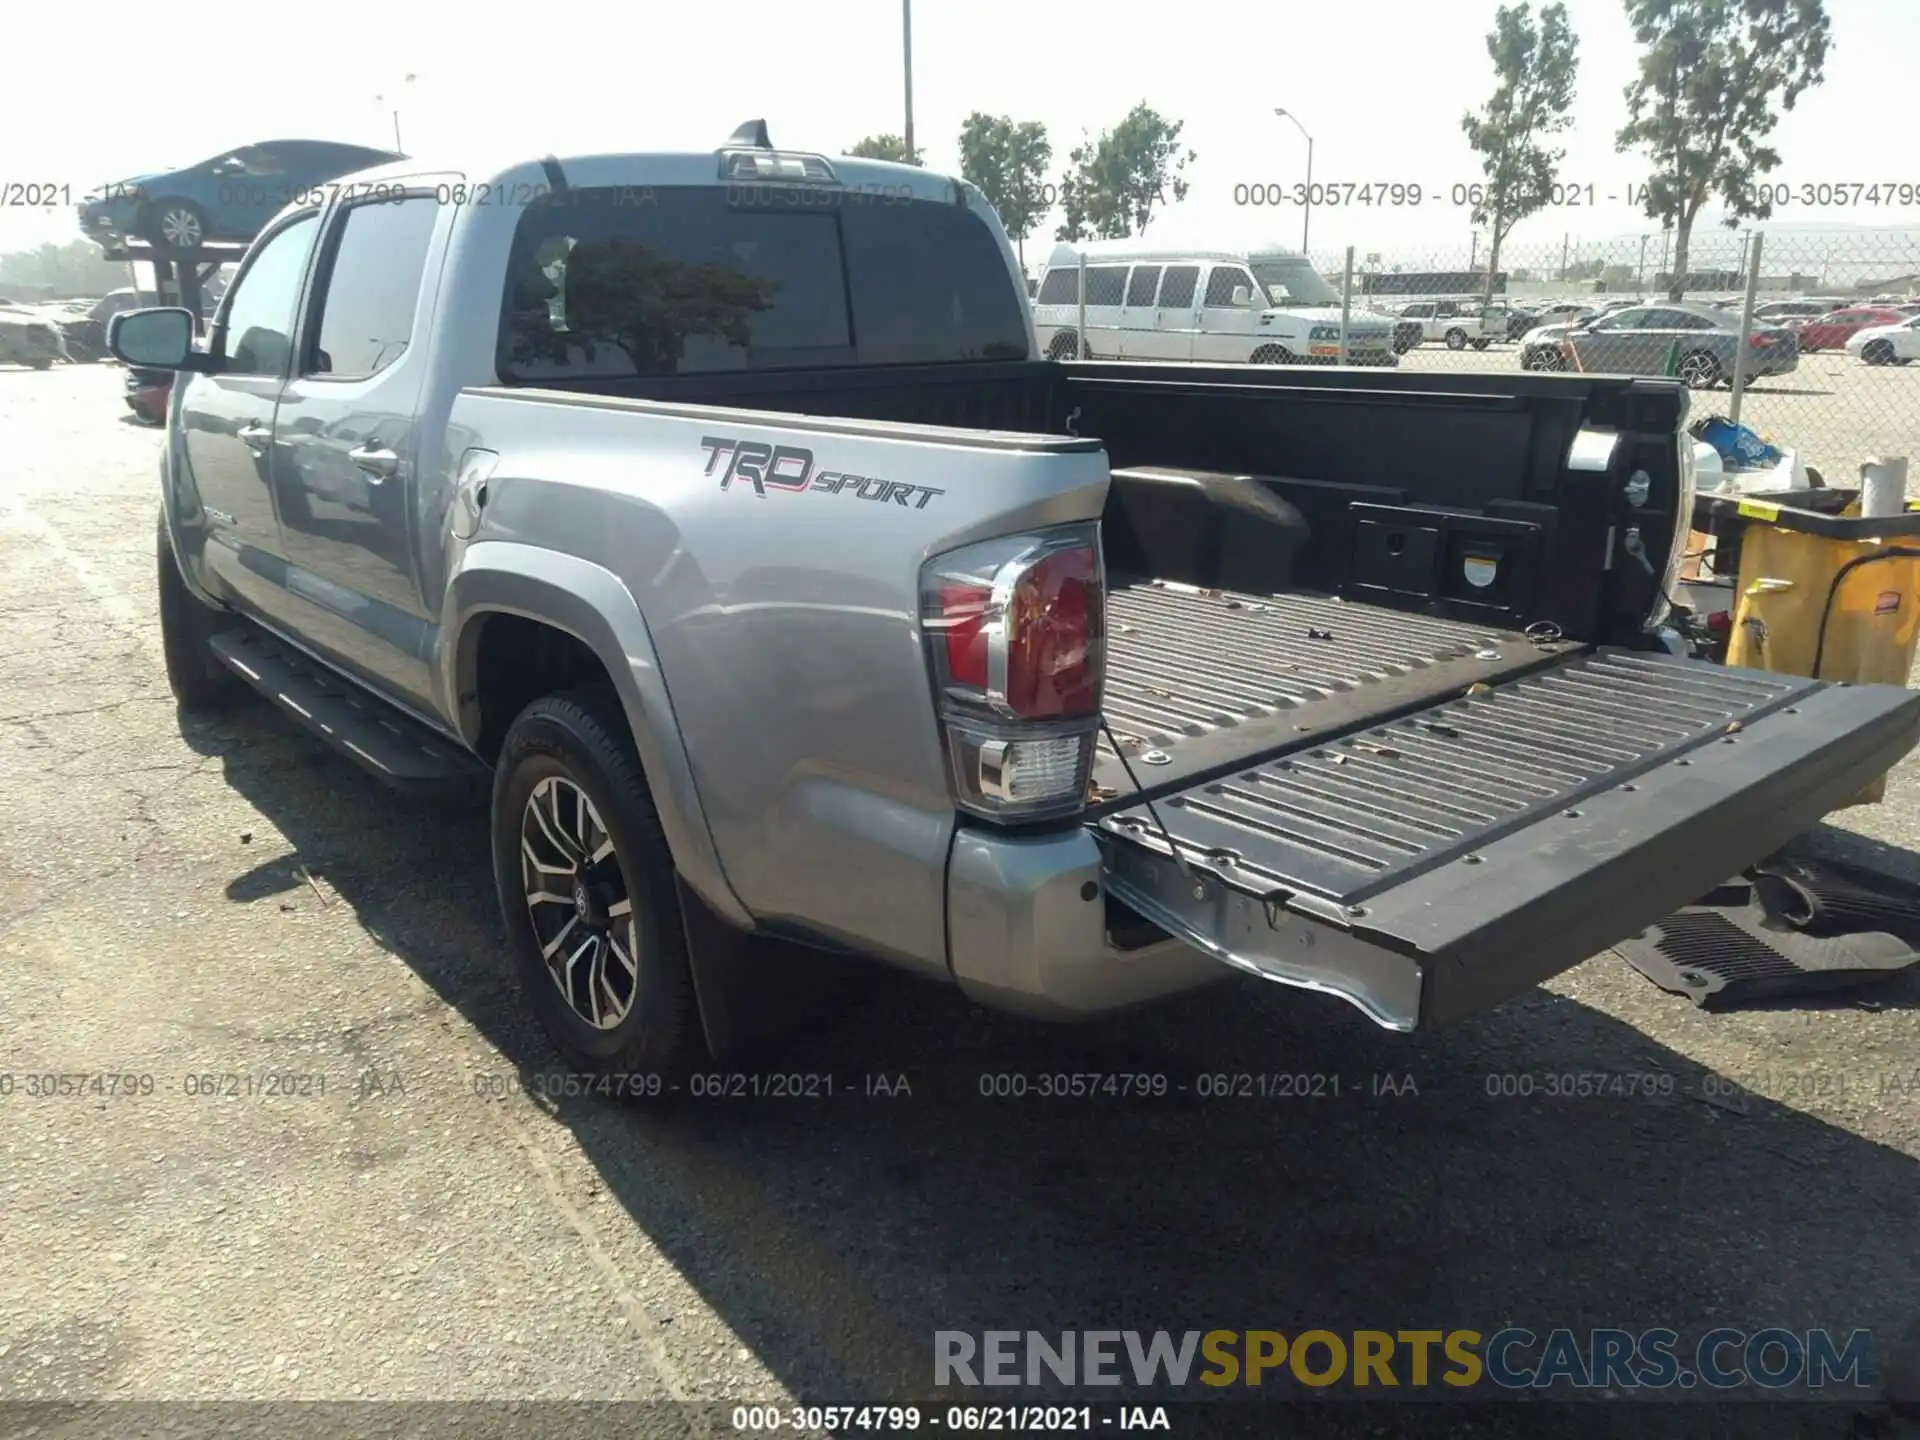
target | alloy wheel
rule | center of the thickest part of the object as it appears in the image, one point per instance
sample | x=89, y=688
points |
x=180, y=228
x=1699, y=372
x=579, y=902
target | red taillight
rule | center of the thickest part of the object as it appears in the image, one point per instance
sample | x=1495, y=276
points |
x=1015, y=631
x=1054, y=637
x=963, y=614
x=1760, y=342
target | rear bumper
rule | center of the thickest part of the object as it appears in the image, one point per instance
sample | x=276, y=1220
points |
x=1027, y=930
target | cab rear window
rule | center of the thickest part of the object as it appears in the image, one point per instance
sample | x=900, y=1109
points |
x=688, y=279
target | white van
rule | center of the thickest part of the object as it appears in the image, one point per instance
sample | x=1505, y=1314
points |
x=1268, y=307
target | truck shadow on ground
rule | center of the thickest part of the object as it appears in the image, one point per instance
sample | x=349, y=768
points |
x=1353, y=1179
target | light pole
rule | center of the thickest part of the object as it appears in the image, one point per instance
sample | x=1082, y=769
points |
x=1306, y=215
x=382, y=100
x=906, y=60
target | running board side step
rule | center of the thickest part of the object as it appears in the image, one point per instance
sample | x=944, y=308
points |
x=1439, y=864
x=393, y=747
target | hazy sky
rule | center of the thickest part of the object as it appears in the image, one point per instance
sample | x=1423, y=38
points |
x=1381, y=84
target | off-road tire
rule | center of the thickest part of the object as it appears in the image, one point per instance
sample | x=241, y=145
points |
x=581, y=737
x=197, y=680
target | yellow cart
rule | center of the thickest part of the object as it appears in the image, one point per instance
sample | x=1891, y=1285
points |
x=1821, y=592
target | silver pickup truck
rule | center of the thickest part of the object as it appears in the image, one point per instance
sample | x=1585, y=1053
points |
x=715, y=515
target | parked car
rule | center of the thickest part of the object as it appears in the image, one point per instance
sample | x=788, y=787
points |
x=29, y=338
x=1149, y=302
x=1458, y=323
x=1833, y=330
x=1806, y=309
x=1695, y=343
x=84, y=325
x=1520, y=320
x=147, y=392
x=228, y=197
x=1896, y=344
x=900, y=575
x=1566, y=312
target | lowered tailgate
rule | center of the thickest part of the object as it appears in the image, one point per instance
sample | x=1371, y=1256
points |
x=1438, y=863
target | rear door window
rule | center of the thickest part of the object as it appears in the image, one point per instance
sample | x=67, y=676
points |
x=665, y=280
x=1061, y=287
x=1106, y=284
x=371, y=287
x=1140, y=289
x=1177, y=287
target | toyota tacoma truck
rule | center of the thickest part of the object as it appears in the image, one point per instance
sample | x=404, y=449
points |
x=715, y=516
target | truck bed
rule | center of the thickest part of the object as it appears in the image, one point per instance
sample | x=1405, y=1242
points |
x=1334, y=766
x=1203, y=679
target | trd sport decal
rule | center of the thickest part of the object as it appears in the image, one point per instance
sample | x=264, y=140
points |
x=790, y=467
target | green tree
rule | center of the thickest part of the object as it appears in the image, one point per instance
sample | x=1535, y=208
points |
x=1714, y=75
x=1534, y=64
x=1008, y=160
x=1113, y=184
x=885, y=147
x=74, y=268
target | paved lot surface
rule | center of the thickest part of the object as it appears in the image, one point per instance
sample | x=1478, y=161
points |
x=1833, y=409
x=412, y=1223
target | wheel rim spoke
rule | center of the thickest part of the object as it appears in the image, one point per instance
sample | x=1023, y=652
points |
x=582, y=915
x=588, y=947
x=547, y=950
x=626, y=960
x=567, y=851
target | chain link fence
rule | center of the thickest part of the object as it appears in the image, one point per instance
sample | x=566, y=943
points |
x=1824, y=369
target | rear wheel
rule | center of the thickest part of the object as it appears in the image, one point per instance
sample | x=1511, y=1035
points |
x=1272, y=355
x=1699, y=371
x=1545, y=360
x=1482, y=342
x=174, y=225
x=1878, y=352
x=1456, y=339
x=40, y=364
x=198, y=681
x=1061, y=347
x=587, y=891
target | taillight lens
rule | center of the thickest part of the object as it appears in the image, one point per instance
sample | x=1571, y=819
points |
x=1016, y=640
x=1055, y=636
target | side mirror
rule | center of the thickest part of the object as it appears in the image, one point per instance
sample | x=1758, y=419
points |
x=155, y=340
x=1242, y=296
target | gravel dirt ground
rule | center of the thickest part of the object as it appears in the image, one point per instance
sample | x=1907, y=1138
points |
x=410, y=1220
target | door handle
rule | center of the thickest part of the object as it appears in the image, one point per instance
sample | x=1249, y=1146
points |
x=378, y=461
x=254, y=437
